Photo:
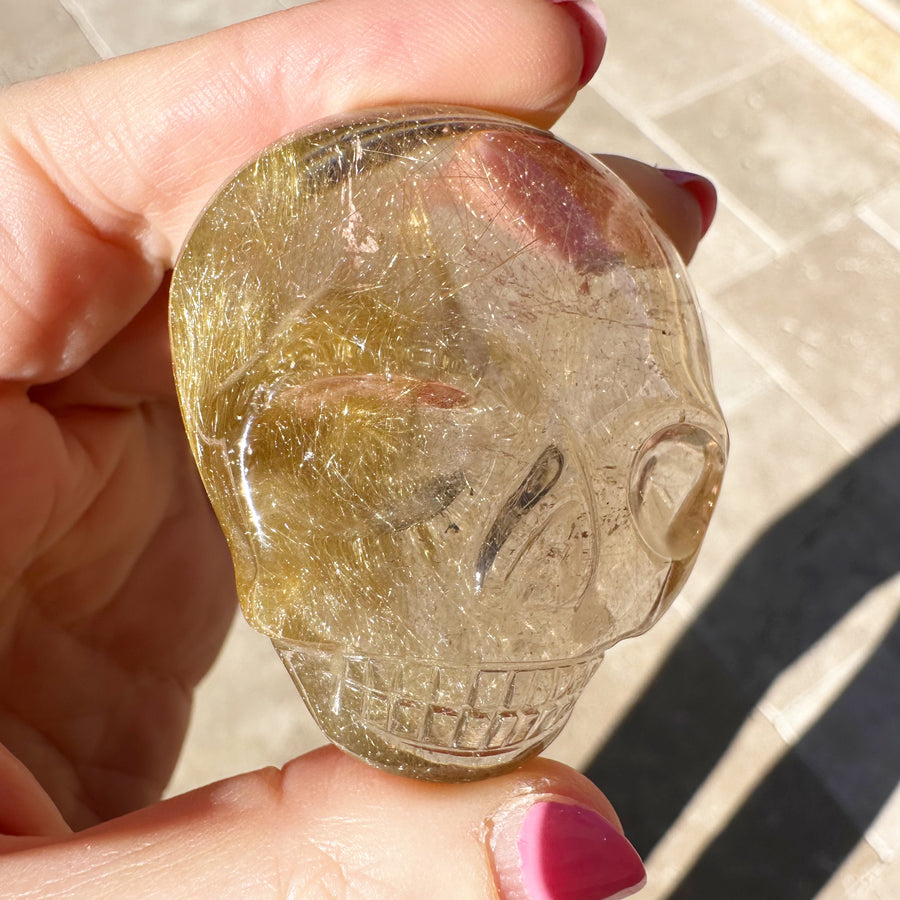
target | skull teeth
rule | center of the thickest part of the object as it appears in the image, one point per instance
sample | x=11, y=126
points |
x=463, y=710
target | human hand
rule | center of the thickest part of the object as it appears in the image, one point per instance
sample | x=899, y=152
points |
x=116, y=588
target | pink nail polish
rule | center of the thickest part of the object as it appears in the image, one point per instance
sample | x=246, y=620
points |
x=704, y=192
x=592, y=25
x=563, y=851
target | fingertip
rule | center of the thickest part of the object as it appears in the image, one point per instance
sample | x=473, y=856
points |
x=551, y=847
x=592, y=27
x=682, y=203
x=701, y=189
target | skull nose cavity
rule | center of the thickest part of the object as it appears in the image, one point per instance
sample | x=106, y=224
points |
x=540, y=480
x=675, y=481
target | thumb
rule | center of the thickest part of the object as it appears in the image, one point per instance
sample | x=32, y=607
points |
x=105, y=168
x=329, y=826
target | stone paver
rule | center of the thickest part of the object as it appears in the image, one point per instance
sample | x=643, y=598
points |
x=829, y=316
x=790, y=145
x=657, y=58
x=37, y=38
x=118, y=28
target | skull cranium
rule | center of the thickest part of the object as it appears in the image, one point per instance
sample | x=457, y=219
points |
x=447, y=388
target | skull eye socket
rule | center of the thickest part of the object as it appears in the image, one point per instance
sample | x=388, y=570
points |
x=675, y=483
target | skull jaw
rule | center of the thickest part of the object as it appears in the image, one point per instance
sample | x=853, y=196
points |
x=434, y=721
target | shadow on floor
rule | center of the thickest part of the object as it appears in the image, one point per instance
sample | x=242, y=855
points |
x=799, y=579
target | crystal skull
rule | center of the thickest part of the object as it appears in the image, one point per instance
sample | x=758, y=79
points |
x=446, y=384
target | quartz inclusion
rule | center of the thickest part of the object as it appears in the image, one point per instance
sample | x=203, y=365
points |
x=446, y=385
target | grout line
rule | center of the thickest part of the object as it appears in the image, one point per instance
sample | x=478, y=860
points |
x=752, y=268
x=736, y=774
x=884, y=10
x=795, y=246
x=784, y=380
x=719, y=82
x=811, y=683
x=733, y=778
x=861, y=88
x=83, y=21
x=838, y=219
x=880, y=227
x=883, y=834
x=751, y=264
x=650, y=129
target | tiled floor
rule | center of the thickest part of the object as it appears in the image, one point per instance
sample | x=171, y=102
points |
x=752, y=741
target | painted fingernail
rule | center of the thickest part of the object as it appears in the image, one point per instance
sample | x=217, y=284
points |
x=703, y=190
x=592, y=25
x=554, y=849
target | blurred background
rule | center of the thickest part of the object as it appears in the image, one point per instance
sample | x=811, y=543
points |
x=751, y=741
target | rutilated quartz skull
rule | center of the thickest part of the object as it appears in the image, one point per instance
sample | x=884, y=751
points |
x=446, y=385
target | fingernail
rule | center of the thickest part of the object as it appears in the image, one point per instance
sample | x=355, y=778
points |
x=592, y=25
x=554, y=849
x=703, y=190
